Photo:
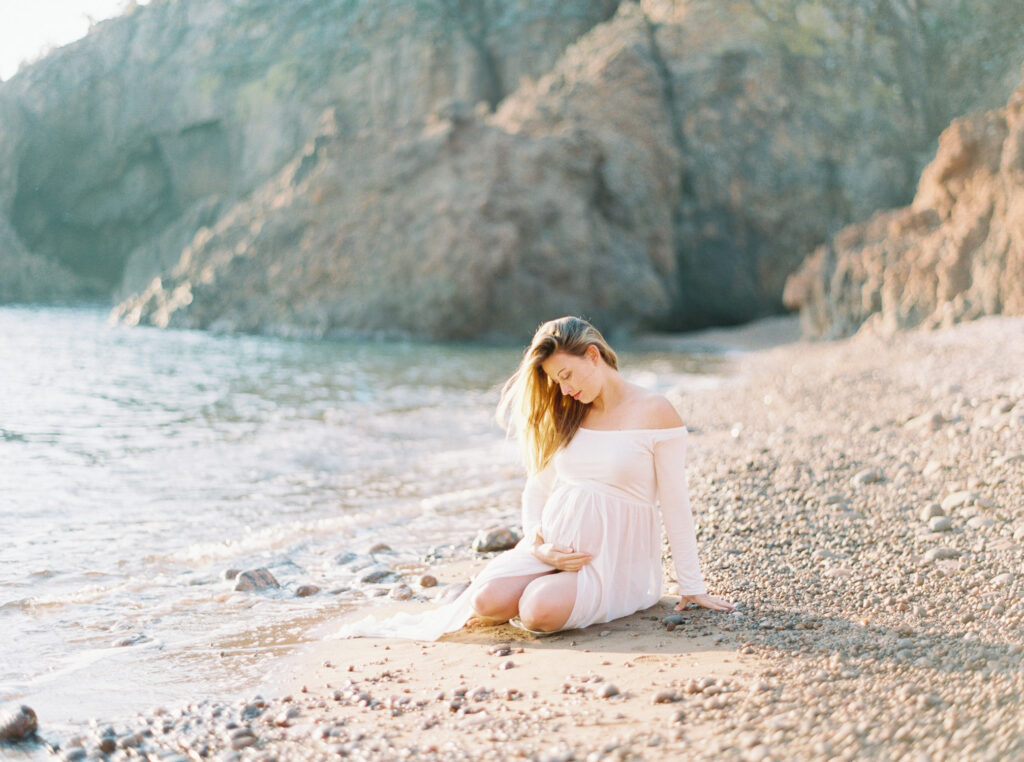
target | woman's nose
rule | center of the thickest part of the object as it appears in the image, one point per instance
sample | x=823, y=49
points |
x=564, y=389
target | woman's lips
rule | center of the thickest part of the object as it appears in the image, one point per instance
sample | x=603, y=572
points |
x=576, y=396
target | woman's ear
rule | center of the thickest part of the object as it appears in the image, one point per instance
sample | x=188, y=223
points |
x=593, y=353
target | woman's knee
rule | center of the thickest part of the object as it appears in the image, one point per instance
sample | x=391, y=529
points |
x=493, y=602
x=542, y=613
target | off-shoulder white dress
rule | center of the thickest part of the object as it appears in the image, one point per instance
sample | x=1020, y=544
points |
x=601, y=495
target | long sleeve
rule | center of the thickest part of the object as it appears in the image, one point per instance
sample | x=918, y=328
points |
x=535, y=495
x=674, y=499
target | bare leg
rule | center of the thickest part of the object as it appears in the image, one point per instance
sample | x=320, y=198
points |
x=546, y=603
x=497, y=601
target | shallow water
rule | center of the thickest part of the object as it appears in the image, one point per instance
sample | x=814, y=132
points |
x=137, y=465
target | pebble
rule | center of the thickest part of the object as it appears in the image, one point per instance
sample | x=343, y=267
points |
x=607, y=691
x=256, y=579
x=931, y=511
x=498, y=538
x=940, y=524
x=957, y=499
x=427, y=580
x=664, y=697
x=17, y=722
x=940, y=554
x=379, y=547
x=401, y=592
x=868, y=476
x=377, y=574
x=304, y=591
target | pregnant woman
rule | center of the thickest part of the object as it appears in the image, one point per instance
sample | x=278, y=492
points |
x=606, y=460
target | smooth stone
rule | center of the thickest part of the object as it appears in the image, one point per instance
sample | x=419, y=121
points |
x=940, y=554
x=379, y=547
x=940, y=524
x=378, y=574
x=839, y=573
x=868, y=476
x=497, y=538
x=304, y=591
x=958, y=499
x=1001, y=580
x=673, y=619
x=428, y=580
x=256, y=579
x=980, y=522
x=346, y=557
x=930, y=511
x=401, y=592
x=17, y=723
x=230, y=574
x=607, y=691
x=664, y=697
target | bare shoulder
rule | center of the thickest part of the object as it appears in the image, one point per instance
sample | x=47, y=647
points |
x=656, y=412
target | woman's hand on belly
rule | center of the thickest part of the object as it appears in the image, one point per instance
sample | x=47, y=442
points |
x=563, y=559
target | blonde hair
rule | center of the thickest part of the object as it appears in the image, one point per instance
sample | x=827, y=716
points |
x=532, y=406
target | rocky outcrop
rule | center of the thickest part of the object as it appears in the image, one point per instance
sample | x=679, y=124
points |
x=956, y=253
x=114, y=144
x=473, y=225
x=452, y=169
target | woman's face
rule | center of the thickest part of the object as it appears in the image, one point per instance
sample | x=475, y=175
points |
x=576, y=377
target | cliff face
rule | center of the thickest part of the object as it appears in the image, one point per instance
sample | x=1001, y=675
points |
x=156, y=116
x=455, y=169
x=956, y=253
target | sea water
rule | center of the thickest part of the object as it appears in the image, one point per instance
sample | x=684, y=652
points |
x=138, y=466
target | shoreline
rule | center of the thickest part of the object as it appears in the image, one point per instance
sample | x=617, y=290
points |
x=863, y=500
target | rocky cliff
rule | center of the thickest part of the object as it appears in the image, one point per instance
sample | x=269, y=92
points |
x=456, y=169
x=955, y=253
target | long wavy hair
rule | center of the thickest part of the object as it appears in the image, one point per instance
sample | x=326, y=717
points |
x=532, y=407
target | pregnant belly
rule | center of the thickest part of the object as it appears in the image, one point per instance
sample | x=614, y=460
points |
x=576, y=519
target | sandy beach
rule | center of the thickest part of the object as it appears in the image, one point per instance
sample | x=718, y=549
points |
x=862, y=501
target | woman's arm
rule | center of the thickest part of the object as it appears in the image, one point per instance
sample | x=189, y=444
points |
x=535, y=495
x=674, y=498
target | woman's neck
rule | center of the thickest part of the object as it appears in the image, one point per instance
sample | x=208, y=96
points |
x=613, y=390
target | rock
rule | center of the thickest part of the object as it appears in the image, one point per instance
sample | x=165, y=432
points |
x=345, y=558
x=256, y=579
x=940, y=554
x=607, y=691
x=500, y=538
x=230, y=574
x=940, y=524
x=401, y=592
x=380, y=547
x=958, y=499
x=940, y=260
x=427, y=580
x=931, y=511
x=1002, y=580
x=664, y=697
x=673, y=619
x=672, y=158
x=980, y=522
x=17, y=723
x=932, y=421
x=378, y=574
x=173, y=164
x=304, y=591
x=868, y=476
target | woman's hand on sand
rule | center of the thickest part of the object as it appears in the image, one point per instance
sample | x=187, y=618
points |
x=707, y=601
x=563, y=559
